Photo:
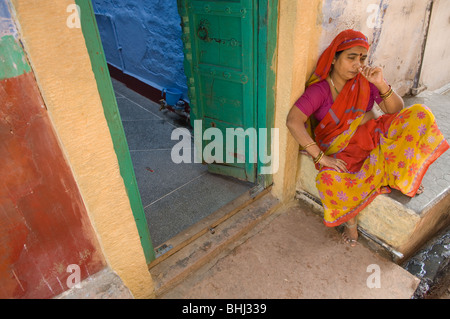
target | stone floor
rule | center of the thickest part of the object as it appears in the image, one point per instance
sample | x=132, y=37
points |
x=292, y=255
x=174, y=196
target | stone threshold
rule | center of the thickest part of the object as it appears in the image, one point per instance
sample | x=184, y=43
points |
x=204, y=241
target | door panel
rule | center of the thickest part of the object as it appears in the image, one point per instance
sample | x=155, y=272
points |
x=219, y=39
x=218, y=101
x=232, y=151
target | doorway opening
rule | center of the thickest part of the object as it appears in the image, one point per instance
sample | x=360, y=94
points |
x=175, y=196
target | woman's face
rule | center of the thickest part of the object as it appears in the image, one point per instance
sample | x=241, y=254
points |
x=349, y=61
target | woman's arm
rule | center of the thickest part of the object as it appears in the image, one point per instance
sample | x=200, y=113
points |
x=296, y=124
x=390, y=105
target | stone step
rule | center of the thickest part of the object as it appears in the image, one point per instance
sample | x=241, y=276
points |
x=203, y=246
x=105, y=284
x=402, y=223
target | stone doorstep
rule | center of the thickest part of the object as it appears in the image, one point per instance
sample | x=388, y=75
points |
x=178, y=266
x=105, y=284
x=399, y=228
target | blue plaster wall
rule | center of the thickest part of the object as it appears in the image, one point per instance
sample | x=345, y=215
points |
x=7, y=26
x=143, y=39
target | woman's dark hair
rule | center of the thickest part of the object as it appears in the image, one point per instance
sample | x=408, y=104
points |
x=336, y=56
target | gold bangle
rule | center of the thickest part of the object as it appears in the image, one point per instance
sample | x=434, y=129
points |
x=308, y=145
x=387, y=92
x=319, y=157
x=388, y=96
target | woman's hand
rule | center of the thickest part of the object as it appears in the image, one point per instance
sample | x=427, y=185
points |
x=375, y=75
x=334, y=163
x=372, y=74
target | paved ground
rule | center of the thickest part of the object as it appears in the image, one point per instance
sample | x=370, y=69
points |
x=293, y=255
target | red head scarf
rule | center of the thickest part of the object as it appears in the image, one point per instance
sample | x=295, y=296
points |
x=345, y=40
x=352, y=100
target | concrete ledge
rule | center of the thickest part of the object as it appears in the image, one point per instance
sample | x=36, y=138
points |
x=105, y=284
x=402, y=223
x=177, y=267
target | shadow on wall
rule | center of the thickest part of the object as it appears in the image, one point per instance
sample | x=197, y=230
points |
x=143, y=40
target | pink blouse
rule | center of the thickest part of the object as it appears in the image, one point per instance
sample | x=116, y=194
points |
x=317, y=99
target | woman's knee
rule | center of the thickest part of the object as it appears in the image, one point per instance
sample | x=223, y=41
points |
x=422, y=112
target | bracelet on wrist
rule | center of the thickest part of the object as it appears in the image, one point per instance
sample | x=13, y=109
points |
x=387, y=92
x=308, y=145
x=388, y=95
x=319, y=157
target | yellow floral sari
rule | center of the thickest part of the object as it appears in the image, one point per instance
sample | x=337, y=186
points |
x=408, y=142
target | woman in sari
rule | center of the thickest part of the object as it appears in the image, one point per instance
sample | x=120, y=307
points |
x=359, y=156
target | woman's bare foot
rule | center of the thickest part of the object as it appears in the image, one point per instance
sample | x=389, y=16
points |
x=350, y=234
x=420, y=190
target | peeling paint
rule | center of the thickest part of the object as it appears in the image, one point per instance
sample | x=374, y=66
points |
x=42, y=216
x=6, y=23
x=436, y=61
x=377, y=30
x=12, y=62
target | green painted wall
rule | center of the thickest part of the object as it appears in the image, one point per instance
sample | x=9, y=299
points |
x=12, y=59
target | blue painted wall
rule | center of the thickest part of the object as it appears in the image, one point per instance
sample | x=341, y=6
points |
x=7, y=26
x=143, y=39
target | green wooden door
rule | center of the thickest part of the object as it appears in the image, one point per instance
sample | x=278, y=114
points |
x=220, y=45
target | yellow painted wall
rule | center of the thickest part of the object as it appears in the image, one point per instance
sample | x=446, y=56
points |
x=299, y=30
x=61, y=63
